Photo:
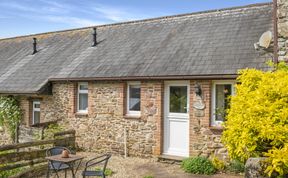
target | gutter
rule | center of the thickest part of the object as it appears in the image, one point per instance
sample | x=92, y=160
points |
x=275, y=29
x=191, y=77
x=42, y=91
x=18, y=93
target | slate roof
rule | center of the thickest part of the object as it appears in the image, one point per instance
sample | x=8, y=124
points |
x=212, y=43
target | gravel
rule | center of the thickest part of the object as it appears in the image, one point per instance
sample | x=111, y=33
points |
x=134, y=167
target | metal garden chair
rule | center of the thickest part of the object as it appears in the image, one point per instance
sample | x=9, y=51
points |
x=92, y=163
x=54, y=165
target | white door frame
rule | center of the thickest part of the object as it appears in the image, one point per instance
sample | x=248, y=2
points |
x=180, y=117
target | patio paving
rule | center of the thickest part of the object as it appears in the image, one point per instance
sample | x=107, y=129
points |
x=132, y=167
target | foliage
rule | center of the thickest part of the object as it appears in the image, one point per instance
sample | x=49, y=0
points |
x=217, y=163
x=279, y=66
x=277, y=161
x=257, y=121
x=10, y=114
x=236, y=166
x=49, y=132
x=108, y=171
x=148, y=176
x=8, y=173
x=198, y=165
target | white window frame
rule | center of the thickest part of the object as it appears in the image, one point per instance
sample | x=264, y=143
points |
x=35, y=110
x=215, y=123
x=78, y=97
x=133, y=113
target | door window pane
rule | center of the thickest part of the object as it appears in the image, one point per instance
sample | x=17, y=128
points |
x=134, y=98
x=223, y=93
x=178, y=99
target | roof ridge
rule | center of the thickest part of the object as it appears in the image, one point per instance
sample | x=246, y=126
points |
x=142, y=20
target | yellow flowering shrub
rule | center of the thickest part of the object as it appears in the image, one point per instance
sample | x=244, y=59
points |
x=277, y=160
x=257, y=121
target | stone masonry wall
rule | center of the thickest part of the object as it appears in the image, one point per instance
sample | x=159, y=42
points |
x=204, y=140
x=26, y=132
x=102, y=129
x=283, y=30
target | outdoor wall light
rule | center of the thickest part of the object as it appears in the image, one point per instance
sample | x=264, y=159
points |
x=198, y=90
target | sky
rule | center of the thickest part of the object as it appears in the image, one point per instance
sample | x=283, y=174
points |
x=23, y=17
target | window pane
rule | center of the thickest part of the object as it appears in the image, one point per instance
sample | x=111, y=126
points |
x=178, y=99
x=134, y=98
x=83, y=87
x=36, y=105
x=36, y=118
x=222, y=100
x=83, y=101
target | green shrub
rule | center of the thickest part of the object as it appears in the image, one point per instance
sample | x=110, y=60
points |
x=51, y=130
x=148, y=176
x=108, y=171
x=256, y=123
x=10, y=114
x=218, y=164
x=198, y=165
x=8, y=173
x=236, y=166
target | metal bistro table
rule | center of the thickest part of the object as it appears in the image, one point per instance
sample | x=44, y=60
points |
x=71, y=162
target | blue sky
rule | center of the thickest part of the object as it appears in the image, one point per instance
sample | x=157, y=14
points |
x=22, y=17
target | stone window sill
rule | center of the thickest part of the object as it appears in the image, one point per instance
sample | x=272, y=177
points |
x=81, y=114
x=218, y=128
x=132, y=116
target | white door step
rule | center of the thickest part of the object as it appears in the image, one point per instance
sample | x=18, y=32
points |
x=170, y=159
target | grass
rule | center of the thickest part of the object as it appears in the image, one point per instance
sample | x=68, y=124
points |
x=148, y=176
x=108, y=171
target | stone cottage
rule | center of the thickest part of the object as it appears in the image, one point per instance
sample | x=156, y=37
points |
x=157, y=86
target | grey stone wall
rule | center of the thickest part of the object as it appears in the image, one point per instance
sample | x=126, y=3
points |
x=28, y=134
x=283, y=30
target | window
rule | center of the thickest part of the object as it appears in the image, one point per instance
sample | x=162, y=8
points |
x=82, y=97
x=36, y=112
x=178, y=99
x=222, y=90
x=133, y=98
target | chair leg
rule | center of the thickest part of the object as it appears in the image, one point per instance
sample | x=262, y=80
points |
x=65, y=173
x=48, y=172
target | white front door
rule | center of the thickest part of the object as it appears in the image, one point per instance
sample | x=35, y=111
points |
x=176, y=118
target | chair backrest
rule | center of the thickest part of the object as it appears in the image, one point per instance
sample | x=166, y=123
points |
x=103, y=160
x=107, y=157
x=56, y=151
